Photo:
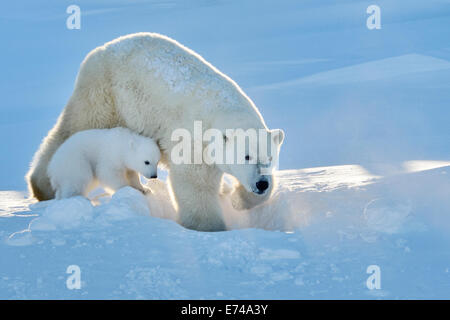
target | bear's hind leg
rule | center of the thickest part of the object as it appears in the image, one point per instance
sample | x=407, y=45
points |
x=39, y=185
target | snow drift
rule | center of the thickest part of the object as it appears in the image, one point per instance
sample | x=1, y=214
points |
x=323, y=228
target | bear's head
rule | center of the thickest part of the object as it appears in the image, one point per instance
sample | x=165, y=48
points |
x=143, y=156
x=251, y=152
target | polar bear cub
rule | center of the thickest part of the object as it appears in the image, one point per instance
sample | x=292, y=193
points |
x=112, y=158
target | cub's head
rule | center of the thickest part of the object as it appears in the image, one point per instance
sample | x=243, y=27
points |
x=143, y=156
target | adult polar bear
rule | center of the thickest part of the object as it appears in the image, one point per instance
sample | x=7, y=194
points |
x=153, y=85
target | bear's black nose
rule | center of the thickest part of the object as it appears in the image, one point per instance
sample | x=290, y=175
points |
x=262, y=185
x=154, y=177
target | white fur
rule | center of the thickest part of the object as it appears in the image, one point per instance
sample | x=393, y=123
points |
x=112, y=157
x=153, y=85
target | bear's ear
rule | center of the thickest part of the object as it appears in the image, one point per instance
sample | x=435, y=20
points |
x=277, y=136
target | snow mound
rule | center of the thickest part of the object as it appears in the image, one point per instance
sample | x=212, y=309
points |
x=323, y=228
x=385, y=215
x=79, y=211
x=64, y=214
x=125, y=203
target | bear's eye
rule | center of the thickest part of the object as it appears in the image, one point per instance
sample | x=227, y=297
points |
x=247, y=157
x=147, y=162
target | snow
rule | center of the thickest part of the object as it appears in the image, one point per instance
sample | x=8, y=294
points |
x=365, y=165
x=76, y=211
x=313, y=239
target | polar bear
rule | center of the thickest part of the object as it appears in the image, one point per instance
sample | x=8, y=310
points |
x=112, y=158
x=153, y=85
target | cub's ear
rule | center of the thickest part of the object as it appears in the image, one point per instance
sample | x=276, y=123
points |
x=277, y=136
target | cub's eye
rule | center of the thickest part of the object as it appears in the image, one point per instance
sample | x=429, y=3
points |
x=247, y=157
x=147, y=163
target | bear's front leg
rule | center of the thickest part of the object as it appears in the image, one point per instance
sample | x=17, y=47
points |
x=196, y=192
x=135, y=182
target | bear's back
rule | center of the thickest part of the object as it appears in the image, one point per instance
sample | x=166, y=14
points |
x=142, y=58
